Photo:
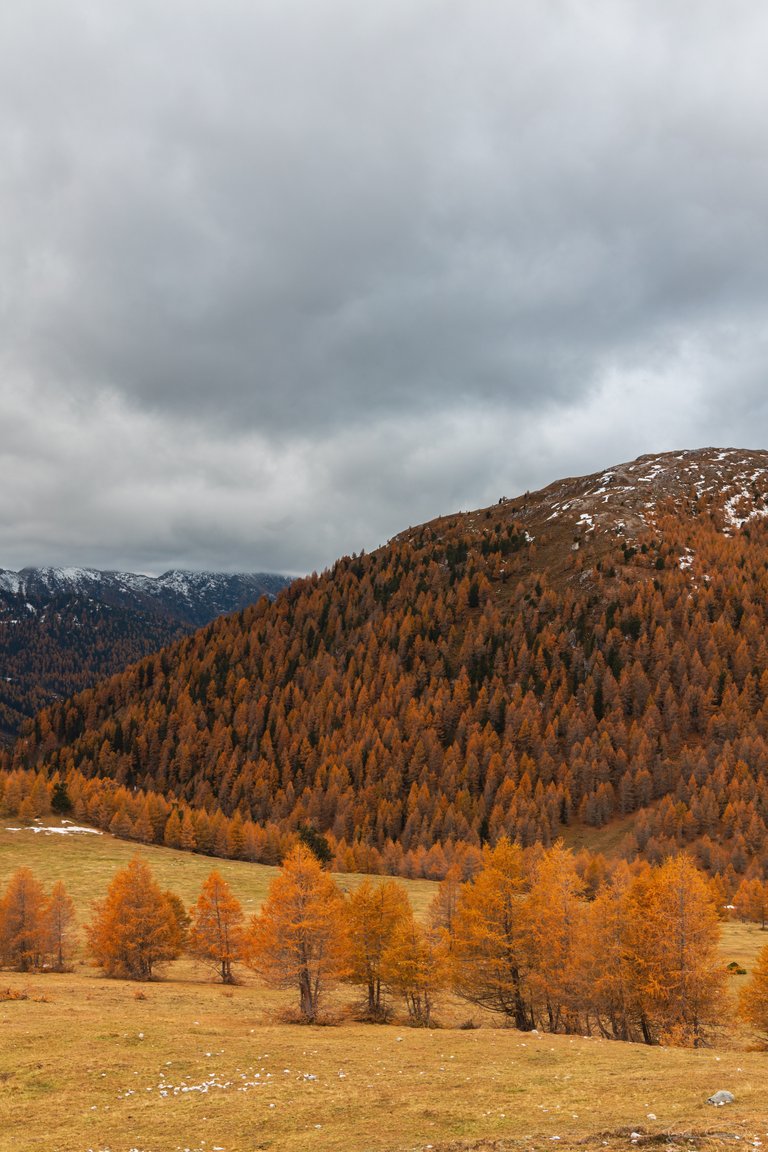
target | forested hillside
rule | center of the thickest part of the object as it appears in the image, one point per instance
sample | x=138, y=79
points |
x=62, y=629
x=595, y=650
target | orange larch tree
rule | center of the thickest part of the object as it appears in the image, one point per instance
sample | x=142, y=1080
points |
x=753, y=998
x=58, y=921
x=606, y=983
x=135, y=927
x=374, y=912
x=489, y=953
x=442, y=910
x=21, y=921
x=671, y=952
x=299, y=938
x=414, y=965
x=555, y=912
x=751, y=900
x=216, y=931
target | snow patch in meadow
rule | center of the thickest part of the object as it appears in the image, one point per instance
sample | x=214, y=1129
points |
x=55, y=830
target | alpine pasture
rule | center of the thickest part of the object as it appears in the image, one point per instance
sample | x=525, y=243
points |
x=89, y=1064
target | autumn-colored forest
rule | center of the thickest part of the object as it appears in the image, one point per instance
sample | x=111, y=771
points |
x=509, y=672
x=475, y=678
x=63, y=630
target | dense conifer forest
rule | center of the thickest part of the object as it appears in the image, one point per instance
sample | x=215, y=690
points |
x=594, y=652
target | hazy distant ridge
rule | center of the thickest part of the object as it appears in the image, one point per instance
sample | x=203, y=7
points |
x=194, y=597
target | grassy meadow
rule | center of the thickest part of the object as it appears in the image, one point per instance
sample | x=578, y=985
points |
x=89, y=1064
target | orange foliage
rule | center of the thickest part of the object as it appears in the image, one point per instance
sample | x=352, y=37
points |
x=59, y=927
x=216, y=931
x=21, y=921
x=414, y=965
x=753, y=999
x=374, y=912
x=299, y=940
x=135, y=928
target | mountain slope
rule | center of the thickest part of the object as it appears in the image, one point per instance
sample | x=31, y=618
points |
x=590, y=651
x=62, y=629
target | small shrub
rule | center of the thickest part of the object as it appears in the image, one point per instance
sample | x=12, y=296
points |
x=294, y=1015
x=363, y=1016
x=12, y=994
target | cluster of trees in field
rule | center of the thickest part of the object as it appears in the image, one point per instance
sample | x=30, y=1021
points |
x=37, y=928
x=148, y=817
x=637, y=962
x=442, y=691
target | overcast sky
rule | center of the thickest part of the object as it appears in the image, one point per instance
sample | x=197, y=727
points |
x=280, y=278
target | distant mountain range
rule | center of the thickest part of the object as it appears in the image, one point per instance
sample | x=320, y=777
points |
x=590, y=660
x=62, y=629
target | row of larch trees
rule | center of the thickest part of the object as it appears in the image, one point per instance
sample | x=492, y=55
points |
x=639, y=961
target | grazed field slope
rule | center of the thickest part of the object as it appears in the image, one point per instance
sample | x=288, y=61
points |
x=87, y=862
x=88, y=1063
x=593, y=651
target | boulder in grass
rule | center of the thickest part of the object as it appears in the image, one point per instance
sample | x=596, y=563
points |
x=721, y=1098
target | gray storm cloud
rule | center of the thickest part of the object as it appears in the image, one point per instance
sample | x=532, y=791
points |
x=278, y=279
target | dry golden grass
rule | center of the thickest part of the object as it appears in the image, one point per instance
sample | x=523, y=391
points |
x=89, y=1063
x=87, y=862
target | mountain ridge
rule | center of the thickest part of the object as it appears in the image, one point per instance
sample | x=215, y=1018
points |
x=729, y=485
x=202, y=591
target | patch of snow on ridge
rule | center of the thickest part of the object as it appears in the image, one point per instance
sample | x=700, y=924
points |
x=731, y=515
x=75, y=575
x=10, y=582
x=67, y=577
x=175, y=581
